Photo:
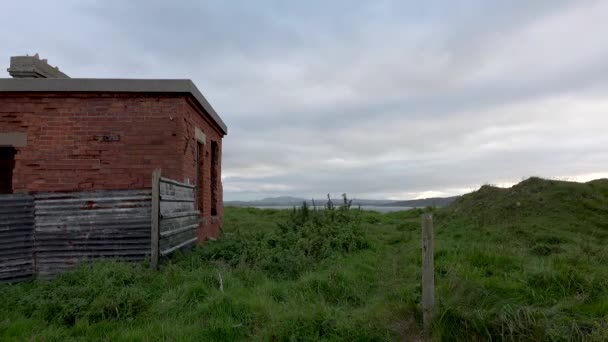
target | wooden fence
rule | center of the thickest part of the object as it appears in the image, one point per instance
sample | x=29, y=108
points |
x=45, y=233
x=78, y=226
x=175, y=218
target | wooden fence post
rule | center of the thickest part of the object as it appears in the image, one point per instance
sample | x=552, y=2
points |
x=428, y=271
x=155, y=232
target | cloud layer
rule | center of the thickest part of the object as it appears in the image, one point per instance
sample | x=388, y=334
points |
x=377, y=99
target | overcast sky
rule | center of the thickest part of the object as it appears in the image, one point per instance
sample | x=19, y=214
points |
x=378, y=99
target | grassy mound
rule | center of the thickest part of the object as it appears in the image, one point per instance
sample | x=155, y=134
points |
x=525, y=263
x=535, y=197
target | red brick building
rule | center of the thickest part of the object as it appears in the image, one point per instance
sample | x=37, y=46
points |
x=62, y=134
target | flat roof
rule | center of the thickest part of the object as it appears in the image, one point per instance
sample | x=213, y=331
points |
x=109, y=85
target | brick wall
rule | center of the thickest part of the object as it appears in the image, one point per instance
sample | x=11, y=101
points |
x=108, y=141
x=66, y=149
x=195, y=118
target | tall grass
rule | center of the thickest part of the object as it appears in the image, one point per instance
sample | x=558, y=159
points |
x=534, y=271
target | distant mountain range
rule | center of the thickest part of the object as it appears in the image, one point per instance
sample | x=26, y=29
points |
x=425, y=202
x=297, y=201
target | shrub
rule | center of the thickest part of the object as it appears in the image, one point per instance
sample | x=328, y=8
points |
x=306, y=237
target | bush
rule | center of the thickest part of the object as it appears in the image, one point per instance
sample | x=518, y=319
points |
x=306, y=237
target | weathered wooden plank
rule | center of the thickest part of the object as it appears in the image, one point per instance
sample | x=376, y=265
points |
x=84, y=216
x=94, y=240
x=100, y=194
x=76, y=255
x=15, y=277
x=179, y=214
x=91, y=249
x=139, y=215
x=22, y=255
x=99, y=212
x=88, y=222
x=17, y=249
x=65, y=261
x=181, y=245
x=178, y=230
x=176, y=183
x=179, y=222
x=94, y=227
x=16, y=238
x=9, y=208
x=21, y=225
x=15, y=222
x=168, y=189
x=12, y=234
x=56, y=227
x=169, y=198
x=14, y=262
x=109, y=238
x=176, y=196
x=176, y=239
x=90, y=201
x=21, y=266
x=13, y=198
x=171, y=207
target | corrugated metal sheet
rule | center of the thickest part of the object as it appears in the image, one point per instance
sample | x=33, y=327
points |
x=16, y=237
x=179, y=219
x=73, y=227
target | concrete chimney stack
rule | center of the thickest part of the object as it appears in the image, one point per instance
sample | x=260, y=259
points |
x=33, y=67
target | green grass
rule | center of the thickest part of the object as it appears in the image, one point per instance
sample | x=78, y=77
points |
x=525, y=263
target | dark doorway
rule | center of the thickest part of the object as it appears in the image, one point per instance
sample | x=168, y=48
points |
x=200, y=152
x=214, y=180
x=7, y=164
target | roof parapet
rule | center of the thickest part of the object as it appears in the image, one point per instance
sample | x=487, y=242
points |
x=33, y=67
x=101, y=85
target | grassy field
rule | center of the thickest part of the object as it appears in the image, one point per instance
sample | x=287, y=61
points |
x=525, y=263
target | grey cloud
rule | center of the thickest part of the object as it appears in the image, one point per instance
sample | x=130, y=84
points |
x=372, y=98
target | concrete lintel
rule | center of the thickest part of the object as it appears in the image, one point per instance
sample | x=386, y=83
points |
x=200, y=136
x=14, y=139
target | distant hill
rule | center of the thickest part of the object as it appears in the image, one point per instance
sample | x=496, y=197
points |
x=297, y=201
x=269, y=201
x=426, y=202
x=489, y=203
x=281, y=200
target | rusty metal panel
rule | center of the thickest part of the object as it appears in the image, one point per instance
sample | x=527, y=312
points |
x=16, y=237
x=179, y=218
x=74, y=227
